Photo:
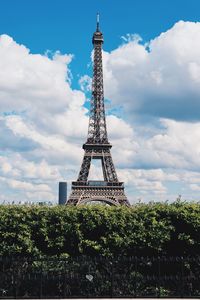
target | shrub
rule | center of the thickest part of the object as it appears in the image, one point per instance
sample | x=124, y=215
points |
x=144, y=229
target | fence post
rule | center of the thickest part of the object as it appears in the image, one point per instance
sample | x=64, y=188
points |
x=159, y=277
x=64, y=281
x=182, y=277
x=41, y=278
x=14, y=280
x=111, y=283
x=135, y=290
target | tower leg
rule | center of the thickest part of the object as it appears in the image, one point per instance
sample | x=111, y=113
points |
x=85, y=168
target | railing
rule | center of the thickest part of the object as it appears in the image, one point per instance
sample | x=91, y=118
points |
x=89, y=277
x=98, y=183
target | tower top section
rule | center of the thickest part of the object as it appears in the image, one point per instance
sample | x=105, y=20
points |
x=97, y=132
x=97, y=36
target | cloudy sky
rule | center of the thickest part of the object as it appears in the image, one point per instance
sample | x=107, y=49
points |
x=152, y=92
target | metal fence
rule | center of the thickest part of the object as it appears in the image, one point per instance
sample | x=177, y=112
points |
x=93, y=277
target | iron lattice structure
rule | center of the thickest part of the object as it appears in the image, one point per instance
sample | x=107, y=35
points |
x=97, y=146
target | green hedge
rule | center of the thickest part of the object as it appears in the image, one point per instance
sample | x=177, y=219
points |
x=144, y=229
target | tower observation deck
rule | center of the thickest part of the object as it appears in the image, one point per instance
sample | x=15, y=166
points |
x=97, y=146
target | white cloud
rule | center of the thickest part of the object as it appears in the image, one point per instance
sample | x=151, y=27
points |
x=27, y=186
x=46, y=142
x=195, y=187
x=17, y=168
x=160, y=78
x=178, y=146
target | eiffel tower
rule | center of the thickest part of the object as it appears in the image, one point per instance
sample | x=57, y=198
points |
x=110, y=190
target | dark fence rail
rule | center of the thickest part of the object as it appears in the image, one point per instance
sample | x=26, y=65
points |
x=89, y=277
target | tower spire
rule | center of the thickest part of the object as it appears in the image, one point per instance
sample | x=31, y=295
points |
x=97, y=146
x=97, y=22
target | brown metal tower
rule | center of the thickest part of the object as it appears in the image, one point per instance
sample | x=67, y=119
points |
x=110, y=190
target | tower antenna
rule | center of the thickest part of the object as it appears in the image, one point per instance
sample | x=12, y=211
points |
x=97, y=21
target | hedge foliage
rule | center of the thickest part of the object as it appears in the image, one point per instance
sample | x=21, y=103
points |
x=144, y=229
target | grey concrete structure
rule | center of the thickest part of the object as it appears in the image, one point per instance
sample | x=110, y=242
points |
x=62, y=194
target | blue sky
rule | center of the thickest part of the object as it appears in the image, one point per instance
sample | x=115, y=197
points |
x=67, y=26
x=152, y=82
